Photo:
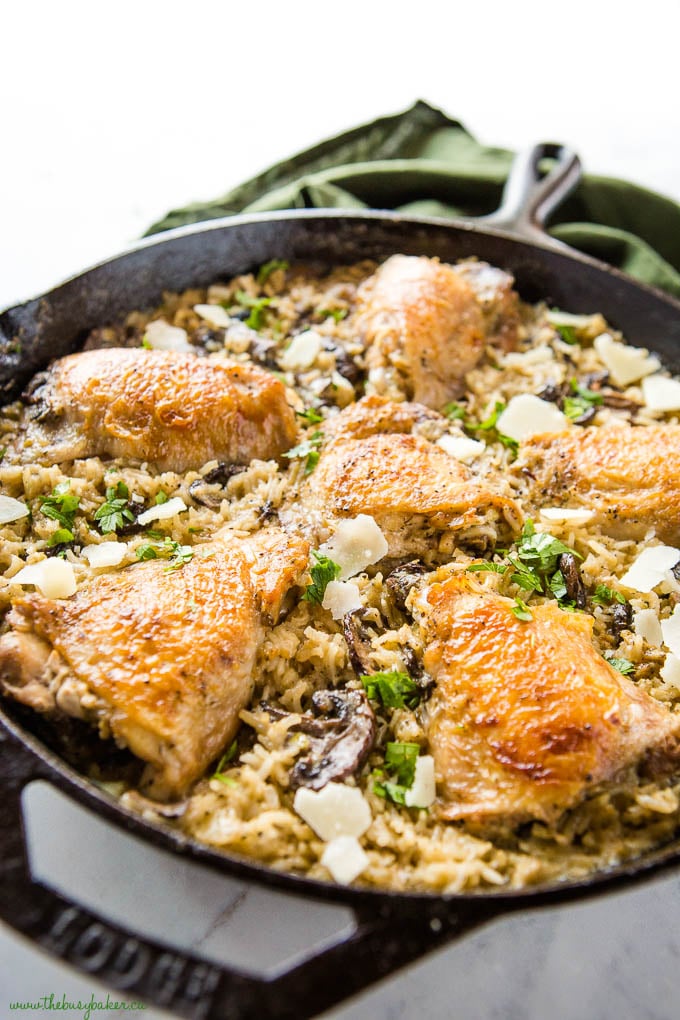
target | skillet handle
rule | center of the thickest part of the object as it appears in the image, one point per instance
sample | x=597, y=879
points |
x=531, y=196
x=382, y=941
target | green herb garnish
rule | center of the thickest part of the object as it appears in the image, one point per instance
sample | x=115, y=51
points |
x=115, y=513
x=487, y=566
x=522, y=611
x=161, y=497
x=337, y=314
x=624, y=666
x=400, y=763
x=61, y=506
x=310, y=416
x=604, y=596
x=228, y=756
x=168, y=549
x=258, y=308
x=568, y=334
x=309, y=449
x=540, y=551
x=581, y=401
x=393, y=689
x=62, y=536
x=489, y=426
x=455, y=411
x=266, y=270
x=323, y=572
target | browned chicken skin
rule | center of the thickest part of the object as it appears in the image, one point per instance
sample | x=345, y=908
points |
x=174, y=410
x=526, y=717
x=426, y=323
x=401, y=480
x=161, y=660
x=629, y=476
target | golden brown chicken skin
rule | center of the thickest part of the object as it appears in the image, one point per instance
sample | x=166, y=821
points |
x=160, y=660
x=630, y=476
x=426, y=323
x=527, y=717
x=174, y=410
x=408, y=484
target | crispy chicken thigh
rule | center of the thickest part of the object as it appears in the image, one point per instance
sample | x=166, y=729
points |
x=526, y=717
x=175, y=410
x=160, y=660
x=629, y=476
x=426, y=323
x=408, y=484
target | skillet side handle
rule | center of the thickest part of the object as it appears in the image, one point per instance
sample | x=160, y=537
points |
x=530, y=196
x=383, y=940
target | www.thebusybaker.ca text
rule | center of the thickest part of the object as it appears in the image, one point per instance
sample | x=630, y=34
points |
x=51, y=1001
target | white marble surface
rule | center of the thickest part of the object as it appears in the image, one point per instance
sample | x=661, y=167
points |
x=109, y=116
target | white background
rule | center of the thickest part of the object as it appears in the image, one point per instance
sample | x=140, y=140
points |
x=112, y=113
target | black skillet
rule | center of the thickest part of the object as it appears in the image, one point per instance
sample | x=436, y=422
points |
x=391, y=928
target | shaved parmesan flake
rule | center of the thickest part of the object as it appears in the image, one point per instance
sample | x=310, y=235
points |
x=670, y=629
x=106, y=554
x=345, y=859
x=649, y=569
x=661, y=394
x=54, y=578
x=12, y=509
x=423, y=791
x=302, y=352
x=647, y=625
x=563, y=513
x=670, y=671
x=527, y=415
x=626, y=364
x=164, y=511
x=214, y=314
x=356, y=544
x=336, y=810
x=461, y=447
x=161, y=336
x=341, y=597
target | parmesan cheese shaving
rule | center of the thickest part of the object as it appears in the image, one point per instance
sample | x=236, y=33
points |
x=161, y=336
x=561, y=513
x=336, y=810
x=302, y=352
x=670, y=629
x=106, y=554
x=214, y=314
x=625, y=364
x=649, y=569
x=164, y=511
x=54, y=578
x=423, y=790
x=461, y=447
x=647, y=625
x=527, y=415
x=356, y=544
x=12, y=509
x=344, y=859
x=341, y=597
x=661, y=394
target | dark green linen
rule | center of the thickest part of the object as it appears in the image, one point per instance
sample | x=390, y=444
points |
x=422, y=162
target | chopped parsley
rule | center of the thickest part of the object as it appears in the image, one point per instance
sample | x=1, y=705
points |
x=161, y=497
x=400, y=769
x=323, y=572
x=266, y=270
x=487, y=566
x=310, y=416
x=393, y=689
x=114, y=513
x=455, y=411
x=488, y=426
x=604, y=596
x=624, y=666
x=309, y=449
x=61, y=506
x=228, y=756
x=3, y=451
x=522, y=611
x=178, y=555
x=336, y=314
x=258, y=308
x=580, y=402
x=540, y=551
x=567, y=334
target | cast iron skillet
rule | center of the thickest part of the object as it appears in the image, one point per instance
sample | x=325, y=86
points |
x=391, y=928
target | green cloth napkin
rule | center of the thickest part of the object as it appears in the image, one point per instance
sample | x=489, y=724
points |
x=422, y=162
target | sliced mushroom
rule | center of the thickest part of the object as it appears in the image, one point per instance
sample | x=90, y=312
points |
x=358, y=641
x=208, y=490
x=622, y=618
x=400, y=581
x=570, y=571
x=341, y=735
x=345, y=365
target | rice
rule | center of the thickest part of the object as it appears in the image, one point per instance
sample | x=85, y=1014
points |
x=247, y=809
